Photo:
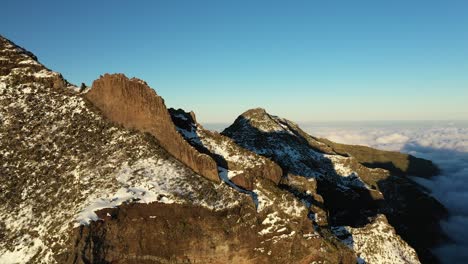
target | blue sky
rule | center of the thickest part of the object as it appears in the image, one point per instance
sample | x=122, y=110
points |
x=303, y=60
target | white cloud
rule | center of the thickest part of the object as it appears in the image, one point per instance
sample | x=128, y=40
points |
x=394, y=138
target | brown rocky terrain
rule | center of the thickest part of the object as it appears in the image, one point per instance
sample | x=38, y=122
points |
x=161, y=233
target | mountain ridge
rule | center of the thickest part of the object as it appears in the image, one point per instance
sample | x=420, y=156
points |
x=86, y=174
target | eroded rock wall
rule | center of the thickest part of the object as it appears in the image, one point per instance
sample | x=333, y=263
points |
x=162, y=233
x=133, y=104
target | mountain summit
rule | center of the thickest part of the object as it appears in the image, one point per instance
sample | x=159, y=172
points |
x=110, y=175
x=352, y=180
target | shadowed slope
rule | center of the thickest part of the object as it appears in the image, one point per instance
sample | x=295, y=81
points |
x=351, y=191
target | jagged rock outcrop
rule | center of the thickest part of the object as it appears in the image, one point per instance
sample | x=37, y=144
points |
x=351, y=191
x=235, y=163
x=133, y=104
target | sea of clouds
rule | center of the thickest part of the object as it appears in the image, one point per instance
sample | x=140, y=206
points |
x=445, y=143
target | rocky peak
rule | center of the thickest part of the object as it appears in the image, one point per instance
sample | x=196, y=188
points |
x=20, y=67
x=255, y=112
x=133, y=104
x=352, y=186
x=258, y=118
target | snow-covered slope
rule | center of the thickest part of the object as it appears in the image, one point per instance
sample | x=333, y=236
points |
x=377, y=242
x=61, y=161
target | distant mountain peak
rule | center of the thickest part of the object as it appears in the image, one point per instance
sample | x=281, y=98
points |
x=260, y=119
x=254, y=112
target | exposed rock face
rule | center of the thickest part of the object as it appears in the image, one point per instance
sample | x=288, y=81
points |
x=168, y=234
x=235, y=163
x=161, y=233
x=133, y=104
x=395, y=162
x=351, y=191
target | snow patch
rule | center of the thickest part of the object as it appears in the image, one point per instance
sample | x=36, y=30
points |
x=377, y=242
